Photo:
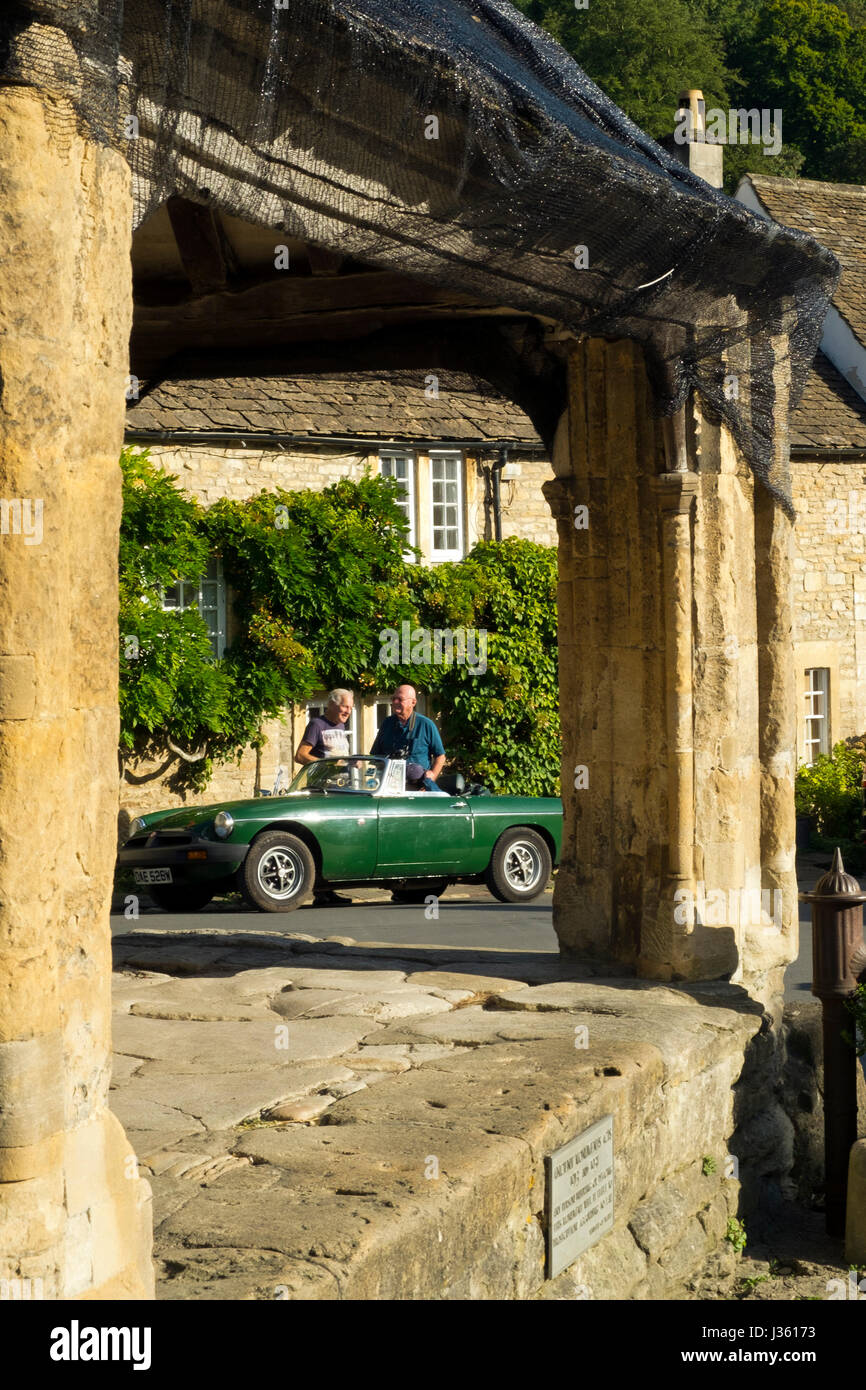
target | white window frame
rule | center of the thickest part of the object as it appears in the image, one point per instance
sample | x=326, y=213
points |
x=817, y=696
x=190, y=595
x=409, y=457
x=317, y=704
x=438, y=555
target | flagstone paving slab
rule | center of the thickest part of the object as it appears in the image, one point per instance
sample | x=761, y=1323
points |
x=228, y=1099
x=384, y=1006
x=218, y=1047
x=472, y=984
x=355, y=979
x=241, y=1274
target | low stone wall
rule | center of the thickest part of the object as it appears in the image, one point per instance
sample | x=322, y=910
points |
x=396, y=1148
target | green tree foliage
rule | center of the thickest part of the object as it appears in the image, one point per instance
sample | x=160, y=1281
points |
x=317, y=578
x=168, y=680
x=829, y=790
x=808, y=58
x=500, y=726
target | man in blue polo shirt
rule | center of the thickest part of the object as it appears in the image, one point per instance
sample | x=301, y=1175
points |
x=407, y=734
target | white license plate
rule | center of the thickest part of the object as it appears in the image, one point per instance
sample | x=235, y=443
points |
x=152, y=875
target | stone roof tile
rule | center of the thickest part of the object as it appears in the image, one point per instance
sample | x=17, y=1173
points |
x=831, y=415
x=835, y=214
x=363, y=404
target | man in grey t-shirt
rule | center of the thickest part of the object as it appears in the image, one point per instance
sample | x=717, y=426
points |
x=326, y=734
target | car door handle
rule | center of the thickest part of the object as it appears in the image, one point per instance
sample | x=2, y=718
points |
x=461, y=804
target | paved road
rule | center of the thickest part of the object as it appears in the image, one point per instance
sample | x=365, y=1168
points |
x=468, y=918
x=475, y=921
x=798, y=976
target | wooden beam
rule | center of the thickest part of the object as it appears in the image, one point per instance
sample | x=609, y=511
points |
x=157, y=335
x=204, y=248
x=280, y=293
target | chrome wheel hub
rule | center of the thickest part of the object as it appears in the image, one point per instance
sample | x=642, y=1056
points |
x=280, y=873
x=522, y=866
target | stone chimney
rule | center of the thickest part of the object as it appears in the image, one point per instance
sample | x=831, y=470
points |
x=705, y=160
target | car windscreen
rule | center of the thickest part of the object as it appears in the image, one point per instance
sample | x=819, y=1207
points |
x=360, y=775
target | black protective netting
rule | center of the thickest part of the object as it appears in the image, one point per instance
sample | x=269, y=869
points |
x=314, y=117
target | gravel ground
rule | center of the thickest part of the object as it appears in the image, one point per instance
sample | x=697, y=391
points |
x=790, y=1258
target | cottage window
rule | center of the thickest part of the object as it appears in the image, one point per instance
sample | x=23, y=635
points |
x=401, y=467
x=817, y=712
x=446, y=483
x=208, y=595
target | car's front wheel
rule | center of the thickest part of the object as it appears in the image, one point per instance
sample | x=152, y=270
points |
x=278, y=873
x=519, y=866
x=172, y=897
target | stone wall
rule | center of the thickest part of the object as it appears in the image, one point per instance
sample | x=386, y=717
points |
x=802, y=1095
x=208, y=473
x=408, y=1158
x=830, y=588
x=525, y=513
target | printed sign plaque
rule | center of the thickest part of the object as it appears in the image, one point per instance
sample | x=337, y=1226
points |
x=579, y=1195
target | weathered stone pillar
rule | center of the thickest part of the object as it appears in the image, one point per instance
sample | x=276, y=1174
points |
x=676, y=492
x=769, y=952
x=73, y=1212
x=675, y=688
x=612, y=655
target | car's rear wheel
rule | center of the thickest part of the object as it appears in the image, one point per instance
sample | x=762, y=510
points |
x=278, y=873
x=175, y=897
x=519, y=866
x=419, y=892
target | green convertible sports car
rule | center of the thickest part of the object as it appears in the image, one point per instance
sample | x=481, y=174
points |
x=345, y=821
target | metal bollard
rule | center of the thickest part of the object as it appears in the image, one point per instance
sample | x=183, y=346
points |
x=838, y=960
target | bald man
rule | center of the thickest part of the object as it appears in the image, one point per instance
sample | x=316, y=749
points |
x=407, y=734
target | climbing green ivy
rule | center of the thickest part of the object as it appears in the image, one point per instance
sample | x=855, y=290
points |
x=501, y=725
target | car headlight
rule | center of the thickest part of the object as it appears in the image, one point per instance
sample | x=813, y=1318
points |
x=223, y=824
x=137, y=826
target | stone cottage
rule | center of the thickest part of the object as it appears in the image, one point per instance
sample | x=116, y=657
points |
x=828, y=469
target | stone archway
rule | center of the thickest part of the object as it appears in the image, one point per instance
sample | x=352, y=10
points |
x=675, y=593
